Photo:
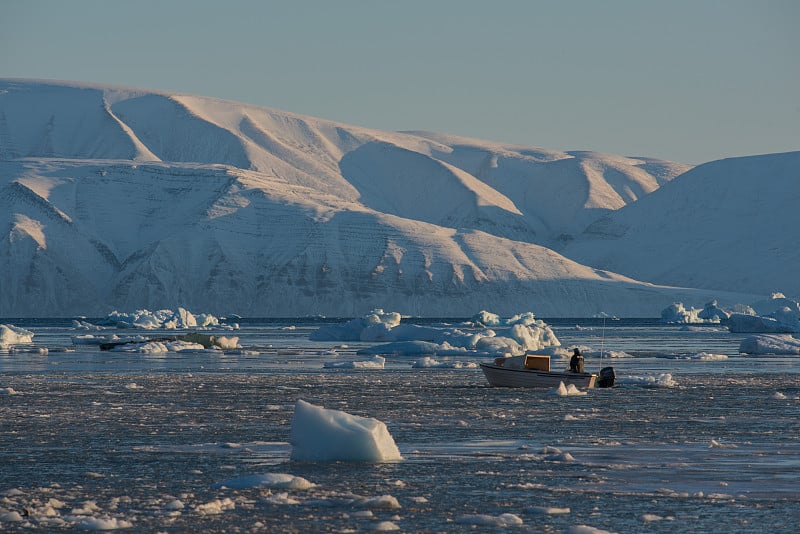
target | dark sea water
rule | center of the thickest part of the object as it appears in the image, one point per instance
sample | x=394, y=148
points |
x=684, y=443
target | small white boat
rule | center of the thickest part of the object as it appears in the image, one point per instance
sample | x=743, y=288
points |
x=533, y=371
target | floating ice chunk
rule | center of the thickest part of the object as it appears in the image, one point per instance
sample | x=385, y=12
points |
x=429, y=363
x=104, y=523
x=548, y=510
x=785, y=321
x=652, y=381
x=770, y=344
x=704, y=356
x=515, y=335
x=13, y=335
x=677, y=313
x=159, y=347
x=8, y=391
x=717, y=445
x=320, y=434
x=377, y=362
x=215, y=507
x=486, y=318
x=502, y=520
x=175, y=504
x=586, y=529
x=775, y=302
x=282, y=499
x=374, y=326
x=712, y=313
x=387, y=502
x=708, y=357
x=567, y=391
x=386, y=526
x=83, y=325
x=267, y=480
x=649, y=518
x=161, y=319
x=10, y=517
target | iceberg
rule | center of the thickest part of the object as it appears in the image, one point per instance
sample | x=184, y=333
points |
x=323, y=435
x=13, y=335
x=512, y=336
x=770, y=344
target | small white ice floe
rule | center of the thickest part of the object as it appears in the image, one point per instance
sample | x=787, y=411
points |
x=386, y=526
x=426, y=362
x=42, y=351
x=8, y=391
x=661, y=380
x=554, y=454
x=173, y=505
x=267, y=480
x=717, y=445
x=282, y=498
x=215, y=507
x=586, y=529
x=10, y=517
x=104, y=523
x=485, y=520
x=377, y=362
x=649, y=518
x=385, y=502
x=779, y=396
x=567, y=391
x=547, y=510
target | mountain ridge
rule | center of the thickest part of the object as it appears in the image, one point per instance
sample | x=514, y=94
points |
x=225, y=207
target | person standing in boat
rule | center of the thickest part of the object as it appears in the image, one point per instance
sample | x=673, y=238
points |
x=576, y=362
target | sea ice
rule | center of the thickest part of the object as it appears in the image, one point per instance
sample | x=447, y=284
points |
x=427, y=362
x=484, y=520
x=650, y=381
x=267, y=480
x=13, y=335
x=770, y=344
x=377, y=362
x=320, y=434
x=160, y=320
x=512, y=336
x=567, y=391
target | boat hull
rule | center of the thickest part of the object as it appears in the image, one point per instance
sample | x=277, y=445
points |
x=500, y=376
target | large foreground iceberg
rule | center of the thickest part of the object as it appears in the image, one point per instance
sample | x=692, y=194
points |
x=322, y=435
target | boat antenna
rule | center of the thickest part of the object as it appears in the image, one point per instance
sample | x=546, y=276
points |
x=603, y=340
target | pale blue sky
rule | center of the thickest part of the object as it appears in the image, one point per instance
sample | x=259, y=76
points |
x=685, y=80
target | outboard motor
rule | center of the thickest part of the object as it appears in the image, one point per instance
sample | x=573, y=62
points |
x=606, y=377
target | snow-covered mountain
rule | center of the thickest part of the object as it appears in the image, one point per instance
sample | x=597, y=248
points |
x=117, y=198
x=728, y=224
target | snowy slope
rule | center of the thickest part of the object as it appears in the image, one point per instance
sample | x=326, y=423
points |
x=728, y=224
x=117, y=198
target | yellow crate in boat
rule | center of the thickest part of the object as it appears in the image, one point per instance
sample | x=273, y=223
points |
x=538, y=362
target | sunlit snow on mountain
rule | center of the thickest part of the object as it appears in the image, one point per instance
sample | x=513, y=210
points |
x=116, y=198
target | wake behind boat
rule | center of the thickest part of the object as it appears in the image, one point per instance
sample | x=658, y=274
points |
x=533, y=371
